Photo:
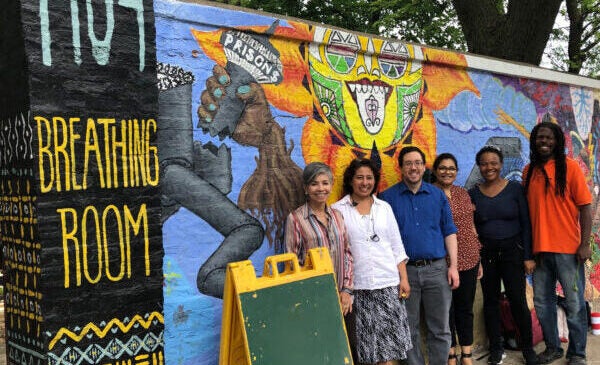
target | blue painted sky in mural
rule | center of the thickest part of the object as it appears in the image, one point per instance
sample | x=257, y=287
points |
x=478, y=117
x=468, y=112
x=197, y=333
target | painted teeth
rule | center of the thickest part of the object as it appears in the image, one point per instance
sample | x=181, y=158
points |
x=369, y=89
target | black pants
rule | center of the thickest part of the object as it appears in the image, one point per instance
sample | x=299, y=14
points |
x=461, y=310
x=505, y=265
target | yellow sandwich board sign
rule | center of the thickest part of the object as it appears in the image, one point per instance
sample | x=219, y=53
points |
x=292, y=317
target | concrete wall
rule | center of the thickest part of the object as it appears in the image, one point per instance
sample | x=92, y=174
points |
x=242, y=102
x=322, y=95
x=79, y=175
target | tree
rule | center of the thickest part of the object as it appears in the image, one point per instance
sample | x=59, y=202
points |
x=518, y=31
x=582, y=35
x=515, y=30
x=432, y=22
x=350, y=14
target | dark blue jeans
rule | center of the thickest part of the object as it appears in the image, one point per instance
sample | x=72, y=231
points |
x=564, y=268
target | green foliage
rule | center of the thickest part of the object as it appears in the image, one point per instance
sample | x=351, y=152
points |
x=432, y=22
x=435, y=23
x=578, y=26
x=349, y=14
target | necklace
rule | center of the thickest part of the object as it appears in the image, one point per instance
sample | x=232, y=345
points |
x=368, y=221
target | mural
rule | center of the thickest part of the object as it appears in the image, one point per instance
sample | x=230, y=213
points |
x=147, y=144
x=21, y=246
x=79, y=178
x=255, y=98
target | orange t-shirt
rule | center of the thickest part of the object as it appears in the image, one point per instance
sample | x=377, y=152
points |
x=555, y=219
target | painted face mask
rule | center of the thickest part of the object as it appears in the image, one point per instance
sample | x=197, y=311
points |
x=367, y=89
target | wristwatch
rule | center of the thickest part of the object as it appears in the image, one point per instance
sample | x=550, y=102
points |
x=347, y=290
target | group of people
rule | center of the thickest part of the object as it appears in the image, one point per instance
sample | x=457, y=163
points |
x=415, y=251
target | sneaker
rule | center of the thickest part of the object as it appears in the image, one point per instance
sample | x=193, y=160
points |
x=549, y=355
x=576, y=360
x=496, y=357
x=530, y=357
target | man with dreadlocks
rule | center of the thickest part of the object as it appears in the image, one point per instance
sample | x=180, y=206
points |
x=561, y=219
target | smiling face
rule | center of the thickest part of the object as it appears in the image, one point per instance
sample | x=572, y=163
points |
x=363, y=182
x=445, y=173
x=413, y=168
x=545, y=143
x=490, y=166
x=319, y=189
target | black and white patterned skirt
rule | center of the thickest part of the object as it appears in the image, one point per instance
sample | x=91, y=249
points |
x=382, y=332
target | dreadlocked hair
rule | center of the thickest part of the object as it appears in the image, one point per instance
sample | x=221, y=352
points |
x=560, y=158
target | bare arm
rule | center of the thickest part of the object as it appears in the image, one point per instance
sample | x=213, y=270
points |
x=451, y=248
x=584, y=252
x=404, y=288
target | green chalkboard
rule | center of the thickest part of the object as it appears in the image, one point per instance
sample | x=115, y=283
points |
x=299, y=323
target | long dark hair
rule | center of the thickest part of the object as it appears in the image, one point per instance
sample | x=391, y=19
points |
x=351, y=171
x=560, y=157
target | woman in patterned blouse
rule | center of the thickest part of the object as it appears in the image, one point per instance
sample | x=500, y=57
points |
x=315, y=224
x=445, y=168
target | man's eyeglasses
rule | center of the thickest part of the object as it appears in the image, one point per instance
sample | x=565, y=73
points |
x=447, y=169
x=413, y=163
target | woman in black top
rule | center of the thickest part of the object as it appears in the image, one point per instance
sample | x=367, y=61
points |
x=502, y=222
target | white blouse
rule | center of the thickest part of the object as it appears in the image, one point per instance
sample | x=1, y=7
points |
x=375, y=261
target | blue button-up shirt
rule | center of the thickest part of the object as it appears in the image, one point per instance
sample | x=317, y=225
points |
x=424, y=219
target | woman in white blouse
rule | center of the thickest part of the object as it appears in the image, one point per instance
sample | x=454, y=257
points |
x=380, y=282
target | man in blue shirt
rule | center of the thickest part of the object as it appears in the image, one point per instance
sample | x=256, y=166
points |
x=429, y=236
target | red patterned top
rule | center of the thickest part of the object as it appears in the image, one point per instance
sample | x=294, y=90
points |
x=462, y=214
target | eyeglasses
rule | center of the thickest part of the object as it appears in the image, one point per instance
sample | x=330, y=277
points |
x=447, y=169
x=413, y=163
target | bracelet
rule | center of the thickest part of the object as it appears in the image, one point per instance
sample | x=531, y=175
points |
x=347, y=290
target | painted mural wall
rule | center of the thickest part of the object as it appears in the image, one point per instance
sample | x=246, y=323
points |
x=134, y=129
x=79, y=183
x=247, y=100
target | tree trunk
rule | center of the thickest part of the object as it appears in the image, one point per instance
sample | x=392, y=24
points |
x=519, y=34
x=576, y=18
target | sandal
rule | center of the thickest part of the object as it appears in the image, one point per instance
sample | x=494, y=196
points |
x=465, y=356
x=452, y=357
